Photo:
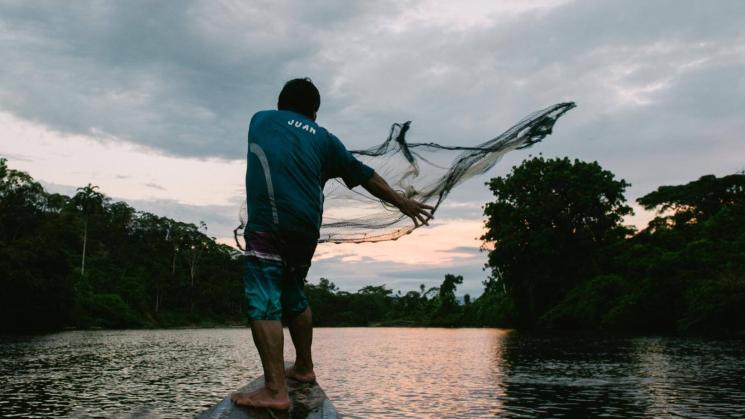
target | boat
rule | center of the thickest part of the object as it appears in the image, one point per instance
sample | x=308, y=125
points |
x=308, y=401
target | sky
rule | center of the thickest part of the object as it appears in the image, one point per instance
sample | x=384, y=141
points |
x=150, y=100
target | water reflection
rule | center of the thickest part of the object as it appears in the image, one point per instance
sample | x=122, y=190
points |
x=571, y=376
x=121, y=372
x=379, y=372
x=567, y=377
x=409, y=372
x=691, y=378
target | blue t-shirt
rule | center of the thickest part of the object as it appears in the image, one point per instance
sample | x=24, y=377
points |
x=290, y=158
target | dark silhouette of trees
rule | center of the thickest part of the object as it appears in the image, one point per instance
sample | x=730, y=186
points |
x=696, y=201
x=693, y=269
x=560, y=258
x=130, y=272
x=549, y=224
x=378, y=305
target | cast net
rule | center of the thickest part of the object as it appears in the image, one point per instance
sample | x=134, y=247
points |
x=423, y=171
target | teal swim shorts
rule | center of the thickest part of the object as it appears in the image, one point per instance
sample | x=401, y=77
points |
x=276, y=267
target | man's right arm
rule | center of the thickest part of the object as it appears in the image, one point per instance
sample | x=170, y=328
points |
x=419, y=212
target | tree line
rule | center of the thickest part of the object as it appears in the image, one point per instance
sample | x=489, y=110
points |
x=562, y=257
x=559, y=256
x=87, y=262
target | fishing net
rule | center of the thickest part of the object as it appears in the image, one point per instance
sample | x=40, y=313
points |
x=426, y=172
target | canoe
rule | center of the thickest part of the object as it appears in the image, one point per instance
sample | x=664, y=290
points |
x=308, y=401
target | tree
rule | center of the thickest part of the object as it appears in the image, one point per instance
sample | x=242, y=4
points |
x=447, y=291
x=21, y=202
x=327, y=285
x=695, y=201
x=699, y=239
x=549, y=224
x=88, y=201
x=447, y=312
x=34, y=291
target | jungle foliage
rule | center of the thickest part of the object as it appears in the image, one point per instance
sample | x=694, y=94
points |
x=87, y=262
x=564, y=259
x=560, y=257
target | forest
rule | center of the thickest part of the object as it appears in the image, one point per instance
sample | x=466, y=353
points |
x=559, y=257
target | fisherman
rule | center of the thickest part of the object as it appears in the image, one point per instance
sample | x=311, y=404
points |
x=290, y=158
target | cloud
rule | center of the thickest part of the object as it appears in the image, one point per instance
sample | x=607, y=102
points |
x=463, y=249
x=351, y=275
x=16, y=157
x=154, y=186
x=183, y=78
x=218, y=218
x=68, y=190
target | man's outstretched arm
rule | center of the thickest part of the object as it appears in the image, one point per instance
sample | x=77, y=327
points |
x=419, y=212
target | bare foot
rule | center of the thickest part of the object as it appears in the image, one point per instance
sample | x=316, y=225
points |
x=300, y=375
x=263, y=397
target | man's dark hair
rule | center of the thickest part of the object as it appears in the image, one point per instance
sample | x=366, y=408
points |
x=301, y=96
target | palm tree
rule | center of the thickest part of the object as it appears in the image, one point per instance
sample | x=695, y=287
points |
x=88, y=201
x=195, y=244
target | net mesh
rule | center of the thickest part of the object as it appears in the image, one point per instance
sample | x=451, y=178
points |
x=426, y=172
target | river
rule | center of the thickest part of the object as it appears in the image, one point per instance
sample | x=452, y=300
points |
x=379, y=372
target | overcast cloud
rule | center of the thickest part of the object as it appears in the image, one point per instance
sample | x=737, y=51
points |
x=660, y=85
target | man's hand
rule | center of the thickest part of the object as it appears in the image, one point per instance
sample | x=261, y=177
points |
x=419, y=212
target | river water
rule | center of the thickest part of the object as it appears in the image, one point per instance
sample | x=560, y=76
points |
x=379, y=372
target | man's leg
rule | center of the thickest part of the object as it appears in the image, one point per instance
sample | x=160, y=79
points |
x=301, y=331
x=262, y=288
x=268, y=338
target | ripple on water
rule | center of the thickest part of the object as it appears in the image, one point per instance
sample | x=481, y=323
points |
x=379, y=372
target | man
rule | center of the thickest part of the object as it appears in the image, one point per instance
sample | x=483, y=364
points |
x=290, y=158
